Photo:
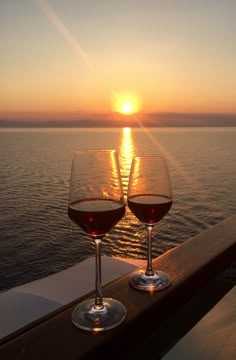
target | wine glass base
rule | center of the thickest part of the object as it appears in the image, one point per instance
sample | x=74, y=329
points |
x=159, y=281
x=86, y=317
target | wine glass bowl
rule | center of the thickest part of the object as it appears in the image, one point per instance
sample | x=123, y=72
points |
x=149, y=199
x=96, y=204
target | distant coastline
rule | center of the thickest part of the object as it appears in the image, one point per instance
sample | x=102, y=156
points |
x=117, y=120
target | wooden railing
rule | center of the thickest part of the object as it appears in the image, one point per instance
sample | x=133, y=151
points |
x=194, y=267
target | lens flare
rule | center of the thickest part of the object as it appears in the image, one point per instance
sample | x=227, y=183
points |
x=51, y=14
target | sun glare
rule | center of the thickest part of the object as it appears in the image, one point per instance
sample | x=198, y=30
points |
x=126, y=103
x=126, y=108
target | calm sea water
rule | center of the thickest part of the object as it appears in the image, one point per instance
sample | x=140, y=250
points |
x=36, y=236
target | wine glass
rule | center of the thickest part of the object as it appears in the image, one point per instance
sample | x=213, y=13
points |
x=149, y=199
x=96, y=204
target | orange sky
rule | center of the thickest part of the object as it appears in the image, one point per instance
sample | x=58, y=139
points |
x=65, y=57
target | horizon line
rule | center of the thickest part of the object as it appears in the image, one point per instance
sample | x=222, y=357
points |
x=119, y=120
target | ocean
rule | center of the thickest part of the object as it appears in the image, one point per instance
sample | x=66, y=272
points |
x=38, y=239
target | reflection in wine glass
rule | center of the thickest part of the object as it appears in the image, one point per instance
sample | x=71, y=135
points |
x=150, y=199
x=96, y=204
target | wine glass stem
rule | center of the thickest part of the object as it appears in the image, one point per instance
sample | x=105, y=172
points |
x=98, y=286
x=149, y=270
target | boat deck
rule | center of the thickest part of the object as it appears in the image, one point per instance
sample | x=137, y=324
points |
x=161, y=319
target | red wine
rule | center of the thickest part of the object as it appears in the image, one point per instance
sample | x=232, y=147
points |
x=149, y=209
x=96, y=216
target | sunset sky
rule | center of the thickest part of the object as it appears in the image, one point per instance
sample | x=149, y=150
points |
x=60, y=58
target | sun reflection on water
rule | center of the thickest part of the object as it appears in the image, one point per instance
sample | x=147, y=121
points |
x=127, y=152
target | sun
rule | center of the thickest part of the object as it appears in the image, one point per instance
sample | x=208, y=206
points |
x=126, y=103
x=126, y=108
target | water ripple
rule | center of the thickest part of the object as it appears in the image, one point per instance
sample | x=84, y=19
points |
x=37, y=237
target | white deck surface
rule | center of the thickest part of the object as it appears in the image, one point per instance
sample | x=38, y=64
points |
x=213, y=337
x=26, y=303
